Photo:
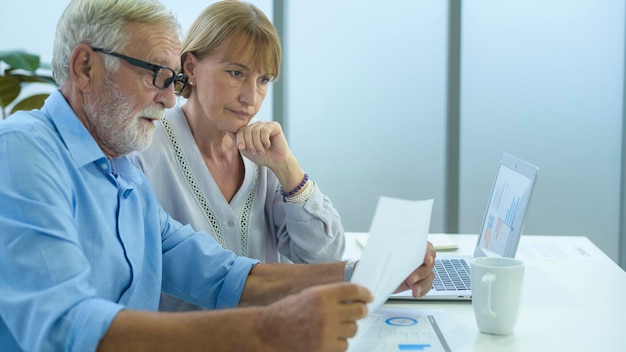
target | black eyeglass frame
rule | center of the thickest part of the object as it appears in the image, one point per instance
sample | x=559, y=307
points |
x=181, y=77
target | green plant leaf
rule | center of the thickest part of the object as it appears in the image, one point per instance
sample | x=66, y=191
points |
x=30, y=103
x=9, y=90
x=20, y=59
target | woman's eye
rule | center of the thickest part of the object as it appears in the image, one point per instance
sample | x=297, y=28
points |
x=235, y=73
x=265, y=80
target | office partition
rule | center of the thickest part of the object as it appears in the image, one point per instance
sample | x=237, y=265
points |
x=366, y=101
x=544, y=80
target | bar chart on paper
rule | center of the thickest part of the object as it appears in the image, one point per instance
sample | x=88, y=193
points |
x=399, y=330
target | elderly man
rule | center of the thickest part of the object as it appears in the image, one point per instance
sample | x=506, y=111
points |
x=85, y=249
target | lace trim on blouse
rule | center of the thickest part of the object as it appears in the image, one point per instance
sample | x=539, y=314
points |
x=203, y=201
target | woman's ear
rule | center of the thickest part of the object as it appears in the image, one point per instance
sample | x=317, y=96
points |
x=84, y=66
x=189, y=65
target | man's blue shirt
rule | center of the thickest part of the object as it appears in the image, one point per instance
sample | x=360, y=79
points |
x=82, y=238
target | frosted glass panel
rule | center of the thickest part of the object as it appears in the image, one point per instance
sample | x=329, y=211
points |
x=366, y=101
x=543, y=80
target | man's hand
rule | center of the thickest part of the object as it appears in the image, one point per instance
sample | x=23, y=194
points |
x=420, y=281
x=320, y=318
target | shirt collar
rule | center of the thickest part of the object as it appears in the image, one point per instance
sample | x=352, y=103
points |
x=79, y=142
x=81, y=145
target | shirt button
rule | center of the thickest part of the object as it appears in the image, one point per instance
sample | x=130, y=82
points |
x=104, y=166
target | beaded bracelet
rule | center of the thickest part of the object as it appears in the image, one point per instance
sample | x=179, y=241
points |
x=295, y=190
x=302, y=196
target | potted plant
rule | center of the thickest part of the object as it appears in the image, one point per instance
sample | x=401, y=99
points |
x=20, y=69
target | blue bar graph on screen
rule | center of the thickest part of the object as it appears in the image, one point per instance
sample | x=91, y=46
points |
x=498, y=194
x=510, y=213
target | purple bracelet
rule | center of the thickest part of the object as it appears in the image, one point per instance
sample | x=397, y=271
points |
x=295, y=190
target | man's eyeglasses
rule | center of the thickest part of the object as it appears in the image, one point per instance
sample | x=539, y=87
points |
x=162, y=76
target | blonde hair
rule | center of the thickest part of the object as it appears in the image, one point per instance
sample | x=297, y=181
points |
x=100, y=23
x=234, y=26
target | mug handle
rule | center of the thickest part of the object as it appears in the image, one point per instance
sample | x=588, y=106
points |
x=488, y=280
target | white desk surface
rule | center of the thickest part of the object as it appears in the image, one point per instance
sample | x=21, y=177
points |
x=574, y=299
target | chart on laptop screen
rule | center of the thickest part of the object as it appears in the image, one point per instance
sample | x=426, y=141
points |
x=503, y=220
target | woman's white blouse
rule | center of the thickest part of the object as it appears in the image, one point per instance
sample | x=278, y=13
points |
x=257, y=223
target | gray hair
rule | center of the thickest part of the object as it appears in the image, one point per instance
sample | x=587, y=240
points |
x=100, y=23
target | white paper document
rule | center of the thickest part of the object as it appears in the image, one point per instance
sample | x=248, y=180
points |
x=396, y=246
x=391, y=329
x=572, y=248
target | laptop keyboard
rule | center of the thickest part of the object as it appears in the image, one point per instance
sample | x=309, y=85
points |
x=451, y=275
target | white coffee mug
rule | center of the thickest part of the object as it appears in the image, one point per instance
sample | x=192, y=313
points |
x=496, y=293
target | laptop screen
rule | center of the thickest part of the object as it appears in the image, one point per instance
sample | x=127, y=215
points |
x=504, y=217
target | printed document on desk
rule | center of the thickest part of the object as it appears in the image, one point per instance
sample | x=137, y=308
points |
x=396, y=246
x=393, y=329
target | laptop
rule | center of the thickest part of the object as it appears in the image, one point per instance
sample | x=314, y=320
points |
x=499, y=235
